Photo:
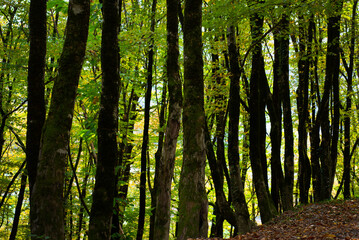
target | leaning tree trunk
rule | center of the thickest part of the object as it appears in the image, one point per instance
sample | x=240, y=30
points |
x=47, y=194
x=166, y=164
x=193, y=205
x=107, y=158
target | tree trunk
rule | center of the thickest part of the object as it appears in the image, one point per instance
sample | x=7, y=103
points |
x=103, y=193
x=47, y=194
x=238, y=198
x=329, y=144
x=257, y=124
x=144, y=150
x=158, y=154
x=167, y=160
x=284, y=91
x=20, y=200
x=35, y=95
x=193, y=205
x=305, y=51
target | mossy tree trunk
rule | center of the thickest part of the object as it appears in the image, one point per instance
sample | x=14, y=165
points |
x=47, y=193
x=193, y=205
x=103, y=193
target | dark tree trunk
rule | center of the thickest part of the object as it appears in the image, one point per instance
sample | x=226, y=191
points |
x=158, y=153
x=47, y=193
x=125, y=150
x=238, y=198
x=35, y=95
x=20, y=199
x=257, y=124
x=329, y=144
x=81, y=212
x=284, y=90
x=166, y=163
x=305, y=51
x=103, y=193
x=314, y=131
x=220, y=163
x=193, y=205
x=144, y=150
x=334, y=65
x=275, y=113
x=223, y=205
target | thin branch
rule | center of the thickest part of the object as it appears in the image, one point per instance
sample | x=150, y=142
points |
x=11, y=183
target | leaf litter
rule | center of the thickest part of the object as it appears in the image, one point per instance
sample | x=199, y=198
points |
x=327, y=220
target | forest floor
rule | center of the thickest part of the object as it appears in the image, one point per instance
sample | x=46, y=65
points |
x=328, y=220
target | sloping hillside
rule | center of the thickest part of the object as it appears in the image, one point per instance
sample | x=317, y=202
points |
x=330, y=220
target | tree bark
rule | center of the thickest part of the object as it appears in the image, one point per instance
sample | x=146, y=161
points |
x=329, y=143
x=193, y=205
x=284, y=91
x=305, y=51
x=47, y=194
x=237, y=191
x=257, y=124
x=166, y=164
x=103, y=193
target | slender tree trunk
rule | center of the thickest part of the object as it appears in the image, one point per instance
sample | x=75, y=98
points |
x=166, y=164
x=314, y=131
x=302, y=107
x=275, y=113
x=20, y=200
x=238, y=198
x=103, y=193
x=193, y=205
x=141, y=217
x=336, y=83
x=47, y=193
x=220, y=99
x=81, y=212
x=158, y=154
x=284, y=90
x=257, y=124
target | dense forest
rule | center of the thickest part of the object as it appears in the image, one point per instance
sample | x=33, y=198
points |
x=154, y=119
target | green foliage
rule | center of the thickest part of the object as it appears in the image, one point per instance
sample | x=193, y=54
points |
x=134, y=44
